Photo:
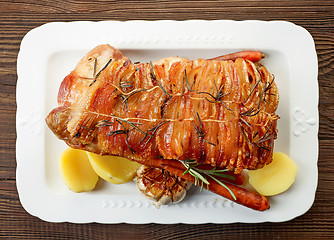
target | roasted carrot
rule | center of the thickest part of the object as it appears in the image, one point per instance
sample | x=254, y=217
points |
x=244, y=197
x=253, y=56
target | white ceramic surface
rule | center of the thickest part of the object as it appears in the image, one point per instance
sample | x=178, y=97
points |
x=48, y=53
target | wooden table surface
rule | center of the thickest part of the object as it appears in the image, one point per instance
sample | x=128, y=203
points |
x=18, y=17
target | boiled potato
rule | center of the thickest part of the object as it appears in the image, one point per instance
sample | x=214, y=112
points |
x=274, y=178
x=113, y=169
x=77, y=171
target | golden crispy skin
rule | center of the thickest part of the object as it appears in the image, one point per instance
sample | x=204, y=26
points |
x=220, y=113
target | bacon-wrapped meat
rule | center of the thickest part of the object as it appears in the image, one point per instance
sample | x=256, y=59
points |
x=220, y=113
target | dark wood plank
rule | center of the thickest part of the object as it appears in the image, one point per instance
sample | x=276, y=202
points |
x=18, y=17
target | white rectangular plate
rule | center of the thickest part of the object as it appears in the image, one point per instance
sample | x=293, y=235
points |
x=48, y=53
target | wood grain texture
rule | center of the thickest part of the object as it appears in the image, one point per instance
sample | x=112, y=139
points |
x=19, y=16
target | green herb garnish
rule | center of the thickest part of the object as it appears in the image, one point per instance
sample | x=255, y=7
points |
x=201, y=175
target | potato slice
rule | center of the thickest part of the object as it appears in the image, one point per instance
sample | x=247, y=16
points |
x=76, y=171
x=113, y=169
x=274, y=178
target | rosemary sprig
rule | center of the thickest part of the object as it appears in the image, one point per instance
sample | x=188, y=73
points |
x=250, y=112
x=266, y=133
x=126, y=84
x=199, y=129
x=219, y=94
x=217, y=98
x=187, y=82
x=126, y=63
x=262, y=146
x=270, y=84
x=134, y=92
x=182, y=87
x=251, y=92
x=259, y=142
x=153, y=130
x=98, y=74
x=95, y=65
x=132, y=124
x=267, y=93
x=243, y=131
x=85, y=127
x=103, y=123
x=162, y=108
x=162, y=88
x=77, y=134
x=154, y=77
x=224, y=104
x=201, y=175
x=122, y=131
x=265, y=137
x=255, y=110
x=126, y=97
x=152, y=71
x=262, y=94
